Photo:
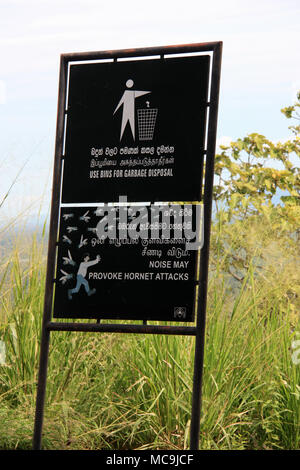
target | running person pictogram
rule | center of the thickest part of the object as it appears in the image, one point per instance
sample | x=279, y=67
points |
x=81, y=273
x=128, y=102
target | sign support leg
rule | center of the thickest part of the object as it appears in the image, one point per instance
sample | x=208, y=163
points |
x=41, y=389
x=197, y=393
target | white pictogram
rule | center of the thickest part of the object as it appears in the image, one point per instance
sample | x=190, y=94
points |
x=81, y=276
x=128, y=102
x=68, y=259
x=146, y=122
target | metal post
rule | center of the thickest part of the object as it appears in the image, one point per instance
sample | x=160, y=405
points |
x=204, y=260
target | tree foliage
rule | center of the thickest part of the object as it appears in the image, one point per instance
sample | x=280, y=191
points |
x=257, y=204
x=251, y=170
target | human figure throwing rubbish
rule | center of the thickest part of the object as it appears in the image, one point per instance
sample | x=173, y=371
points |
x=128, y=102
x=82, y=271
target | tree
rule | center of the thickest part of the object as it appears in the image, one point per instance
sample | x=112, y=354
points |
x=249, y=173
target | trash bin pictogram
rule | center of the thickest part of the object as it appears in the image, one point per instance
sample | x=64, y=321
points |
x=146, y=122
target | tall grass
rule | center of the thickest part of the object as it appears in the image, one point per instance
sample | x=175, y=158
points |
x=109, y=391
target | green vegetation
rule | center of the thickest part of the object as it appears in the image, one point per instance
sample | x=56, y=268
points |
x=109, y=391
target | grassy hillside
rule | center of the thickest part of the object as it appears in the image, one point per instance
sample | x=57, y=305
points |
x=110, y=391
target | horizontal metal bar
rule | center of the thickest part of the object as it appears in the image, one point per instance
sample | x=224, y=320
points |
x=120, y=328
x=146, y=51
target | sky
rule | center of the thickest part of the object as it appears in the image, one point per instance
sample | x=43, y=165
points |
x=260, y=69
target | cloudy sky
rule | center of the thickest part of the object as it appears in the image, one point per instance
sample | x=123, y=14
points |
x=260, y=69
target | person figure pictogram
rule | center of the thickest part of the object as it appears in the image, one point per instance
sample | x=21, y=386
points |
x=81, y=273
x=128, y=102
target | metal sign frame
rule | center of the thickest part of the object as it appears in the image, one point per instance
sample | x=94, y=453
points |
x=207, y=189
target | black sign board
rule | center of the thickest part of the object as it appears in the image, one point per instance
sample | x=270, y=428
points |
x=134, y=126
x=132, y=123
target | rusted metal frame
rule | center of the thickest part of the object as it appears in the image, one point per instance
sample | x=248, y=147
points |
x=204, y=258
x=139, y=52
x=122, y=328
x=51, y=261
